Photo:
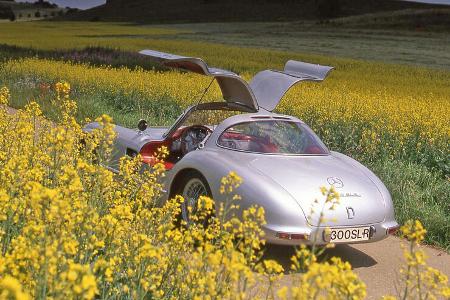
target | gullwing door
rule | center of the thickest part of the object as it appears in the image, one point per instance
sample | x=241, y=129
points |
x=270, y=86
x=264, y=91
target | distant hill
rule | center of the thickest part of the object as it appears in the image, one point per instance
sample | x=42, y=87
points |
x=179, y=11
x=22, y=11
x=434, y=19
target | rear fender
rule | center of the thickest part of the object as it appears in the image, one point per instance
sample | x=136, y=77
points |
x=281, y=210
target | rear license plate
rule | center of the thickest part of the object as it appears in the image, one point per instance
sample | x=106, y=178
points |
x=343, y=235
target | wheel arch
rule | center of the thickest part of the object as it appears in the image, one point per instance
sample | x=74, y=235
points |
x=177, y=180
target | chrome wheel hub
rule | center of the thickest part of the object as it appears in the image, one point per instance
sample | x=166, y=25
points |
x=193, y=189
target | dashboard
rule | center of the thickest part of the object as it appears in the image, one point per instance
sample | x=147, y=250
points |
x=183, y=141
x=190, y=139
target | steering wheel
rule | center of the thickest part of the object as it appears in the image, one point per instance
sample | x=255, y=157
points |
x=192, y=136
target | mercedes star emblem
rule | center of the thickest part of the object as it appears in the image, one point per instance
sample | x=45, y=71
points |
x=336, y=182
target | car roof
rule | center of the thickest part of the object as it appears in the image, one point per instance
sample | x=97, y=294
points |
x=258, y=116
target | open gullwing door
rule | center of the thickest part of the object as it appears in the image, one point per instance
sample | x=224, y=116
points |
x=234, y=88
x=265, y=90
x=269, y=86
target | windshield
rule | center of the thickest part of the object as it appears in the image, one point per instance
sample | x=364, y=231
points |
x=272, y=137
x=207, y=114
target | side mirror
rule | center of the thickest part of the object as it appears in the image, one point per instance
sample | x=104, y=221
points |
x=142, y=125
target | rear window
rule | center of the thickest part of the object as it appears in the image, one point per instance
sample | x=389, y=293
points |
x=272, y=137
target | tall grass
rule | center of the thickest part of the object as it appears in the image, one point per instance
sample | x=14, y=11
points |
x=418, y=194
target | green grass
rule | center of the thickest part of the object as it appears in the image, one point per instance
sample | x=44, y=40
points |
x=418, y=20
x=56, y=36
x=396, y=46
x=124, y=108
x=418, y=194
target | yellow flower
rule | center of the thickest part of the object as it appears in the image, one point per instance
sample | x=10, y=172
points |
x=10, y=288
x=72, y=229
x=72, y=275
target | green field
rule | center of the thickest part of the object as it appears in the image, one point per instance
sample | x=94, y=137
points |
x=430, y=49
x=380, y=105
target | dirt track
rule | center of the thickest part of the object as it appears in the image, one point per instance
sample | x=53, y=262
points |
x=377, y=264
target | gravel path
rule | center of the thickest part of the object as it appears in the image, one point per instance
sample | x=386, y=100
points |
x=377, y=264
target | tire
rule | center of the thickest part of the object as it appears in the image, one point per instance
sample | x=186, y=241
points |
x=191, y=187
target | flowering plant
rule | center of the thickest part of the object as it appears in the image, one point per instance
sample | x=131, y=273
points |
x=71, y=229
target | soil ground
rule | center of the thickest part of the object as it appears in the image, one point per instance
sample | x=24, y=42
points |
x=377, y=264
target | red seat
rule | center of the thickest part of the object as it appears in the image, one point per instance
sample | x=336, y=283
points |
x=168, y=165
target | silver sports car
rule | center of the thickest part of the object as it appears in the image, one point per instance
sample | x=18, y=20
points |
x=282, y=162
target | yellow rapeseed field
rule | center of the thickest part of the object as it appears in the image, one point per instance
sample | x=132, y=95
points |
x=370, y=110
x=391, y=117
x=71, y=229
x=359, y=117
x=73, y=35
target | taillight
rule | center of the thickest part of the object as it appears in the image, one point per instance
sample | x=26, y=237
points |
x=392, y=230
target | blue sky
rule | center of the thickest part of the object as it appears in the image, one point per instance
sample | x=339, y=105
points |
x=83, y=4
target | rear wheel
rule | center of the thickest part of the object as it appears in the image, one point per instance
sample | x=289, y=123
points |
x=192, y=187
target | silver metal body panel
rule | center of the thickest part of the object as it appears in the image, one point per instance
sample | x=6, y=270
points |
x=126, y=138
x=270, y=86
x=285, y=185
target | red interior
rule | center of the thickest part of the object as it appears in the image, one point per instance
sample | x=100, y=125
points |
x=193, y=67
x=258, y=144
x=264, y=144
x=149, y=151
